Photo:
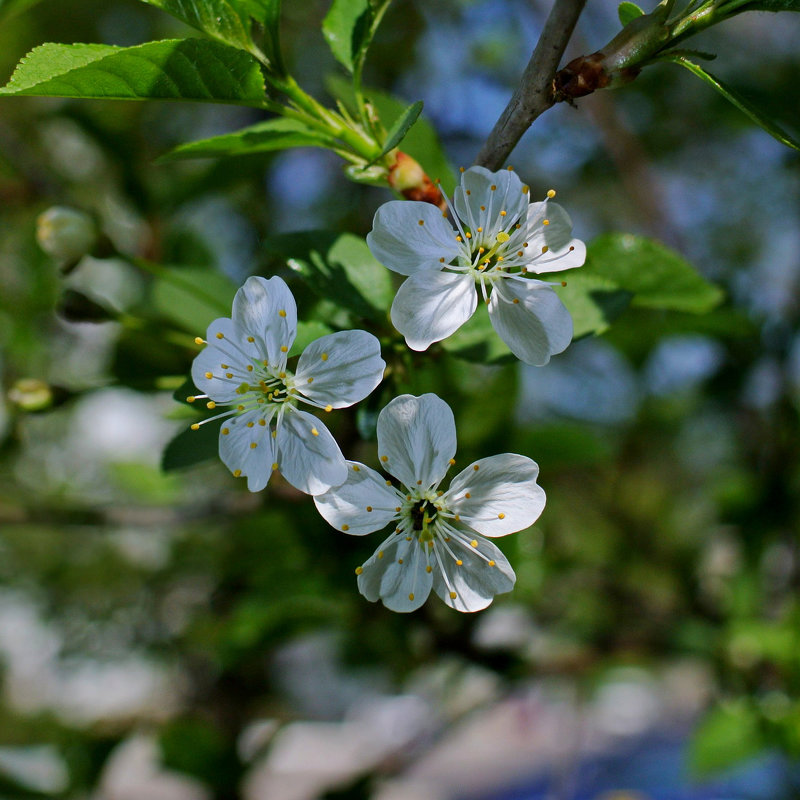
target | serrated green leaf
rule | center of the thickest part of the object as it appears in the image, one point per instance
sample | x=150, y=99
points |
x=339, y=267
x=174, y=69
x=263, y=137
x=733, y=96
x=657, y=276
x=728, y=735
x=627, y=12
x=401, y=127
x=192, y=298
x=191, y=447
x=225, y=20
x=345, y=28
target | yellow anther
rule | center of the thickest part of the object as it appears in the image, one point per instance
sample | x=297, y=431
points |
x=411, y=596
x=571, y=247
x=501, y=516
x=419, y=483
x=480, y=230
x=421, y=222
x=510, y=168
x=468, y=235
x=310, y=380
x=399, y=560
x=452, y=461
x=359, y=570
x=191, y=398
x=281, y=375
x=274, y=465
x=314, y=432
x=481, y=251
x=453, y=595
x=345, y=527
x=388, y=483
x=545, y=222
x=380, y=553
x=459, y=239
x=502, y=237
x=483, y=208
x=493, y=188
x=457, y=518
x=228, y=374
x=249, y=367
x=461, y=169
x=384, y=459
x=518, y=225
x=224, y=366
x=473, y=543
x=369, y=508
x=281, y=313
x=253, y=445
x=274, y=433
x=237, y=473
x=441, y=260
x=329, y=408
x=284, y=348
x=240, y=408
x=491, y=563
x=356, y=468
x=209, y=375
x=439, y=494
x=502, y=213
x=524, y=270
x=220, y=336
x=195, y=426
x=526, y=189
x=250, y=339
x=429, y=568
x=324, y=356
x=397, y=508
x=515, y=301
x=430, y=545
x=225, y=431
x=459, y=562
x=262, y=422
x=475, y=467
x=468, y=495
x=551, y=192
x=468, y=191
x=211, y=404
x=198, y=340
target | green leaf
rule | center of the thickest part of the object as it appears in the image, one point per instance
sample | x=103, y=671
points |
x=477, y=341
x=192, y=298
x=225, y=20
x=346, y=28
x=263, y=137
x=340, y=268
x=268, y=14
x=191, y=447
x=421, y=141
x=728, y=735
x=730, y=94
x=175, y=69
x=401, y=127
x=307, y=332
x=593, y=301
x=628, y=12
x=10, y=8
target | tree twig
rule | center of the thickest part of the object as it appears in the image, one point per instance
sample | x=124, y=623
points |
x=534, y=95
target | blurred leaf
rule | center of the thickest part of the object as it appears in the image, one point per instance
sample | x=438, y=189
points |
x=657, y=276
x=197, y=747
x=347, y=29
x=628, y=12
x=174, y=69
x=593, y=301
x=144, y=483
x=477, y=341
x=307, y=332
x=339, y=267
x=563, y=445
x=10, y=8
x=268, y=14
x=401, y=127
x=727, y=736
x=421, y=141
x=264, y=137
x=191, y=447
x=226, y=20
x=192, y=297
x=733, y=96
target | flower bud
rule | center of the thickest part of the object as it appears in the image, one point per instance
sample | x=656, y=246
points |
x=407, y=177
x=66, y=234
x=31, y=394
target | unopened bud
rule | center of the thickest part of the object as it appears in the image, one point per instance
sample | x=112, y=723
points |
x=407, y=177
x=31, y=394
x=66, y=234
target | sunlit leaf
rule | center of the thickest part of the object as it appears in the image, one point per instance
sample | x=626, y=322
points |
x=345, y=28
x=628, y=12
x=192, y=298
x=734, y=97
x=174, y=69
x=263, y=137
x=727, y=736
x=401, y=127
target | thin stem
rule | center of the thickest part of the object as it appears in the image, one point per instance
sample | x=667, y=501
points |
x=534, y=95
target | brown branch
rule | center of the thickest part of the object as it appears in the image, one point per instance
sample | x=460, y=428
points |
x=534, y=95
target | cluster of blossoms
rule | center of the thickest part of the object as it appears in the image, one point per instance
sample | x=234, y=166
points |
x=439, y=539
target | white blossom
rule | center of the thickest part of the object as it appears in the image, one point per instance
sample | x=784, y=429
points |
x=439, y=537
x=500, y=240
x=244, y=367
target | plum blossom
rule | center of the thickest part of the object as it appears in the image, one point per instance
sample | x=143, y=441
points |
x=244, y=366
x=500, y=239
x=438, y=539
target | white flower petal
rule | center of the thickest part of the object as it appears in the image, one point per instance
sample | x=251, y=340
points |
x=497, y=495
x=417, y=439
x=476, y=580
x=563, y=252
x=237, y=452
x=220, y=359
x=397, y=575
x=265, y=310
x=535, y=327
x=307, y=455
x=399, y=242
x=362, y=504
x=428, y=307
x=480, y=206
x=340, y=369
